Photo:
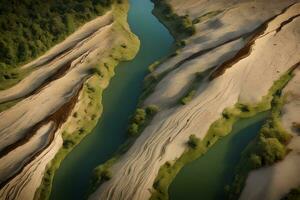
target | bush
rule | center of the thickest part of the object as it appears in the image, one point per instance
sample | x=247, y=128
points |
x=133, y=129
x=193, y=142
x=152, y=110
x=139, y=116
x=185, y=100
x=271, y=150
x=256, y=161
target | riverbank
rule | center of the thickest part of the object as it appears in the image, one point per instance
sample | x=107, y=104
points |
x=119, y=102
x=88, y=112
x=87, y=69
x=227, y=92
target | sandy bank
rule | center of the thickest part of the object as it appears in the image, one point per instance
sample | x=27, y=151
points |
x=164, y=139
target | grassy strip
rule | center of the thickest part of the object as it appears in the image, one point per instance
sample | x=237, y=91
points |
x=88, y=109
x=218, y=129
x=180, y=27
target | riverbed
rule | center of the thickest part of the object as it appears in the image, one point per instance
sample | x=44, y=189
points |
x=71, y=180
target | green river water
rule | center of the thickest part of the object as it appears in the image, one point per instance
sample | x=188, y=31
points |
x=202, y=179
x=206, y=177
x=119, y=102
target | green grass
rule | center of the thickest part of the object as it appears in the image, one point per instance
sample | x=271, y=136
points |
x=86, y=118
x=220, y=128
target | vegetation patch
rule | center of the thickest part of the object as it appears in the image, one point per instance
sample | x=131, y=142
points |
x=179, y=26
x=220, y=128
x=268, y=147
x=140, y=118
x=294, y=194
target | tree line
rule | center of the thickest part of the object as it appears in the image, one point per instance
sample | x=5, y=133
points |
x=30, y=27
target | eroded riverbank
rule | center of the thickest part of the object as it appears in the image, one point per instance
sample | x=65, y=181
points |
x=119, y=102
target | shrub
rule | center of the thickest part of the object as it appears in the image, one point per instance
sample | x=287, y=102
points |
x=133, y=129
x=193, y=141
x=271, y=150
x=185, y=100
x=256, y=161
x=152, y=110
x=139, y=116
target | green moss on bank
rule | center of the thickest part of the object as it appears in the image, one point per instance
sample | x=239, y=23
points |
x=89, y=108
x=218, y=129
x=180, y=27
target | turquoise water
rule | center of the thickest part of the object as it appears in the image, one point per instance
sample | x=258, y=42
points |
x=206, y=177
x=119, y=101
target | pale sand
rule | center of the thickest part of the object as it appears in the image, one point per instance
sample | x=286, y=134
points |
x=175, y=84
x=79, y=47
x=102, y=46
x=26, y=114
x=23, y=186
x=164, y=139
x=16, y=159
x=226, y=27
x=273, y=182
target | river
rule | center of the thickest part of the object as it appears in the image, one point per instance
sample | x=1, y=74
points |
x=71, y=180
x=206, y=177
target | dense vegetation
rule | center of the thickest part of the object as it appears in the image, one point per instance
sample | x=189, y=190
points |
x=30, y=27
x=140, y=117
x=179, y=26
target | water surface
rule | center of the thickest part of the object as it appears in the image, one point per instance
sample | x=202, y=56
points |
x=206, y=177
x=119, y=101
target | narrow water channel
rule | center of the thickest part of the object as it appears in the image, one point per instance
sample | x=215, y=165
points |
x=119, y=101
x=206, y=177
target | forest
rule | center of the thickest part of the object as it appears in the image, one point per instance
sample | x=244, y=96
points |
x=28, y=28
